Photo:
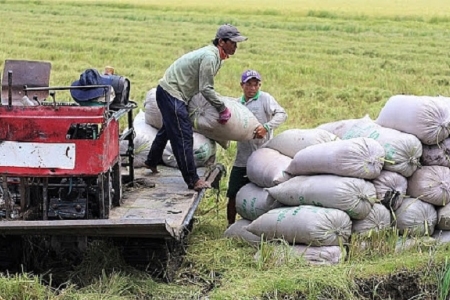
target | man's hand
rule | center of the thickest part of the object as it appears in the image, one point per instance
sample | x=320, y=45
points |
x=260, y=132
x=224, y=116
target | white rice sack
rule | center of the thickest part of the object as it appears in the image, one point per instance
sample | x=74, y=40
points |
x=442, y=236
x=430, y=184
x=144, y=136
x=204, y=152
x=339, y=128
x=152, y=113
x=405, y=244
x=354, y=196
x=358, y=157
x=305, y=224
x=428, y=118
x=416, y=217
x=391, y=187
x=265, y=167
x=153, y=117
x=252, y=201
x=437, y=155
x=239, y=230
x=443, y=217
x=204, y=118
x=290, y=141
x=378, y=219
x=402, y=150
x=324, y=255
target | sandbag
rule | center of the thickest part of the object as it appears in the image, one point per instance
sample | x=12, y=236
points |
x=339, y=128
x=290, y=141
x=358, y=157
x=428, y=118
x=324, y=255
x=436, y=155
x=394, y=185
x=430, y=184
x=144, y=136
x=153, y=117
x=443, y=217
x=405, y=244
x=239, y=230
x=152, y=113
x=265, y=167
x=204, y=118
x=416, y=217
x=204, y=148
x=378, y=219
x=204, y=152
x=252, y=201
x=442, y=236
x=354, y=196
x=402, y=150
x=304, y=224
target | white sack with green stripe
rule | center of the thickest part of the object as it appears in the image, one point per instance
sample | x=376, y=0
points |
x=359, y=157
x=304, y=224
x=204, y=118
x=428, y=118
x=402, y=150
x=290, y=141
x=391, y=183
x=444, y=217
x=282, y=254
x=436, y=155
x=430, y=184
x=204, y=148
x=378, y=219
x=265, y=167
x=252, y=201
x=153, y=117
x=416, y=217
x=204, y=152
x=239, y=230
x=354, y=196
x=152, y=113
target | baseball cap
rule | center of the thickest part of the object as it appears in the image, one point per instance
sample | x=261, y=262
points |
x=228, y=31
x=249, y=74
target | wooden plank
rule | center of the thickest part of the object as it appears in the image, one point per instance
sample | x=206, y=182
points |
x=169, y=200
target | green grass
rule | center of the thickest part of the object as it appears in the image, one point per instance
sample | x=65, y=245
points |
x=323, y=60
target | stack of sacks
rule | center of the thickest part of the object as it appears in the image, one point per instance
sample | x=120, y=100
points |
x=359, y=178
x=321, y=183
x=204, y=148
x=428, y=118
x=403, y=150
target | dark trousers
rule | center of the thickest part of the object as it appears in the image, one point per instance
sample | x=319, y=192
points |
x=177, y=129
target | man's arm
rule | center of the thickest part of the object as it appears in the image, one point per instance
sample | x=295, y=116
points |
x=208, y=70
x=278, y=114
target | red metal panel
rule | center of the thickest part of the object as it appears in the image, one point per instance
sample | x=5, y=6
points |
x=47, y=124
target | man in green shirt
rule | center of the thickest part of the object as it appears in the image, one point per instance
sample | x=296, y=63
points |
x=189, y=75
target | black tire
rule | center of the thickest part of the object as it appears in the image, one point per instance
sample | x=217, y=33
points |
x=116, y=180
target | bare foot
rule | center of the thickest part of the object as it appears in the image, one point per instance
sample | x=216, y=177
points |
x=200, y=185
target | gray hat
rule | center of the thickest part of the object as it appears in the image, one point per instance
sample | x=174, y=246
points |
x=228, y=31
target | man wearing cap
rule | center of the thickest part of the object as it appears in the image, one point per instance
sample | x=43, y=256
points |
x=189, y=75
x=271, y=115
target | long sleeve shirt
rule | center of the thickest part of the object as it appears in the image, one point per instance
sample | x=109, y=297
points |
x=270, y=114
x=194, y=73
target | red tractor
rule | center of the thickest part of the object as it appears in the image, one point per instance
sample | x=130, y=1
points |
x=61, y=175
